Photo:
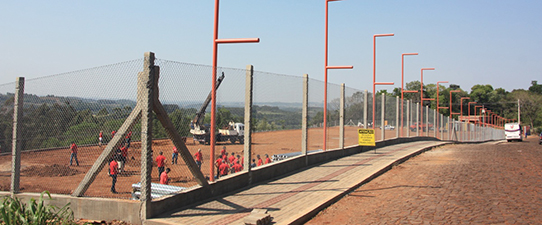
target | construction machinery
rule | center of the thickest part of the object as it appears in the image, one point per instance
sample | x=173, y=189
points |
x=201, y=132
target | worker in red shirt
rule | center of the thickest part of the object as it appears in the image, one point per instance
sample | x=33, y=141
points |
x=123, y=157
x=101, y=137
x=223, y=151
x=231, y=158
x=73, y=149
x=128, y=139
x=260, y=162
x=174, y=156
x=237, y=167
x=224, y=168
x=160, y=162
x=113, y=171
x=164, y=179
x=218, y=163
x=267, y=159
x=199, y=158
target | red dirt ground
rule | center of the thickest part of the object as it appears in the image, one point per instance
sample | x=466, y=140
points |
x=489, y=183
x=49, y=170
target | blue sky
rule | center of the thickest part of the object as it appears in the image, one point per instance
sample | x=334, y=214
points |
x=468, y=42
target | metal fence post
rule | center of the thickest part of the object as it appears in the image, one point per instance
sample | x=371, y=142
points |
x=304, y=118
x=16, y=141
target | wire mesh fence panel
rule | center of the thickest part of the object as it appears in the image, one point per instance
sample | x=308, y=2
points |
x=415, y=119
x=315, y=115
x=277, y=116
x=333, y=115
x=353, y=115
x=369, y=124
x=6, y=118
x=431, y=125
x=63, y=117
x=390, y=123
x=403, y=117
x=378, y=117
x=182, y=88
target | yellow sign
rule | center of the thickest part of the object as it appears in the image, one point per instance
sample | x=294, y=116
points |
x=366, y=137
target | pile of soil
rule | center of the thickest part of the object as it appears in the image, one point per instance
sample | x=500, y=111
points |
x=54, y=170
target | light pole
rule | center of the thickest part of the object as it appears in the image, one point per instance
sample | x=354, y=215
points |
x=438, y=104
x=326, y=67
x=421, y=95
x=374, y=74
x=217, y=41
x=461, y=101
x=402, y=86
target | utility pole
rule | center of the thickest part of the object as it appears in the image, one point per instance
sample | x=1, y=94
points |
x=519, y=112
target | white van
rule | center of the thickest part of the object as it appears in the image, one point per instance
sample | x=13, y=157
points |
x=513, y=131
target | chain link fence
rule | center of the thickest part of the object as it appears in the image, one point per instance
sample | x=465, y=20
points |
x=85, y=108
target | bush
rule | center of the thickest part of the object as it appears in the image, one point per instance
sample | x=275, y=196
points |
x=13, y=211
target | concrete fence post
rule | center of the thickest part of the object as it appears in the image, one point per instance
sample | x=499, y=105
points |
x=440, y=127
x=427, y=121
x=365, y=105
x=435, y=125
x=408, y=118
x=145, y=87
x=397, y=117
x=341, y=119
x=304, y=118
x=382, y=118
x=417, y=119
x=16, y=141
x=450, y=128
x=248, y=120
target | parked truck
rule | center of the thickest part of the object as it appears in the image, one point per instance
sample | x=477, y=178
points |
x=232, y=132
x=513, y=131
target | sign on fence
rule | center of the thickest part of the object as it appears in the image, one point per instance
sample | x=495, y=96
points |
x=366, y=137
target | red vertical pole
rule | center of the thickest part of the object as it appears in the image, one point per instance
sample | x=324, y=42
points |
x=438, y=104
x=325, y=82
x=374, y=79
x=402, y=86
x=374, y=74
x=421, y=95
x=217, y=41
x=213, y=94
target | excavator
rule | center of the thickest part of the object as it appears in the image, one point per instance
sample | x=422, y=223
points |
x=201, y=132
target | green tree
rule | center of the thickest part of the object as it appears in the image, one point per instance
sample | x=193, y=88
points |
x=82, y=134
x=535, y=87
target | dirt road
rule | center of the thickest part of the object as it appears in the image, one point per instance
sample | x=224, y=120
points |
x=458, y=184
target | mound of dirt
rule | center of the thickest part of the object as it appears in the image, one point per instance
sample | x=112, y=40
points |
x=54, y=170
